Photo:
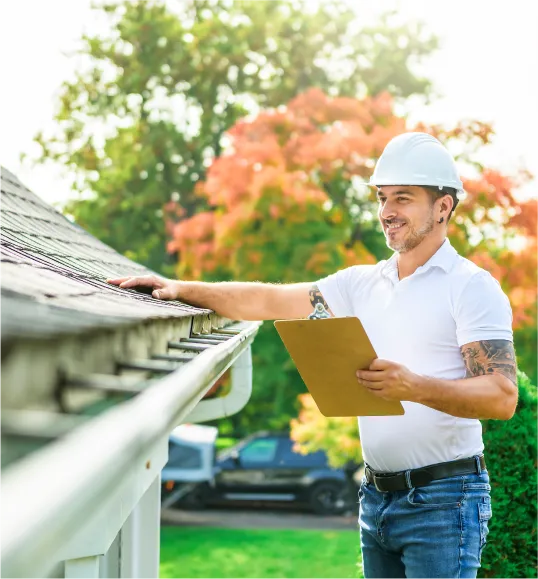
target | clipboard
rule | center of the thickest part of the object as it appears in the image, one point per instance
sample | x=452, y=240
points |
x=327, y=353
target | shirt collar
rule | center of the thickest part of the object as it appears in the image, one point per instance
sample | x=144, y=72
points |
x=444, y=257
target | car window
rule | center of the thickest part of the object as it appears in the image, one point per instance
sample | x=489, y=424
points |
x=262, y=450
x=290, y=458
x=180, y=456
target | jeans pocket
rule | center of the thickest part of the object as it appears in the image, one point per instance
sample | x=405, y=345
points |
x=484, y=515
x=440, y=494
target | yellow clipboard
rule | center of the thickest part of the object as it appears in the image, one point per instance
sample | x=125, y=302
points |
x=327, y=353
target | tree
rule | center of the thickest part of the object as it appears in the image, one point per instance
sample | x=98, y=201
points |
x=288, y=204
x=282, y=210
x=141, y=122
x=338, y=437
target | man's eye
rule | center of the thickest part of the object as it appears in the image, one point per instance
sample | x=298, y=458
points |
x=403, y=199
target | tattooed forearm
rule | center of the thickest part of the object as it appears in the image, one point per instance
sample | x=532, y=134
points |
x=317, y=298
x=490, y=357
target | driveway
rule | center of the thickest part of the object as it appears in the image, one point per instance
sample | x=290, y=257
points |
x=242, y=518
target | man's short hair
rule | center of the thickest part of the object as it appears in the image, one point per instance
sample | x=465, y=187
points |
x=436, y=193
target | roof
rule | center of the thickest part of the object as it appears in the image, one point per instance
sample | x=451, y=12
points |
x=94, y=378
x=54, y=272
x=63, y=324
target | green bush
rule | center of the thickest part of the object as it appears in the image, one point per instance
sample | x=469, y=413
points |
x=511, y=455
x=222, y=443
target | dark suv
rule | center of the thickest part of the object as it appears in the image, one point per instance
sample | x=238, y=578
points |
x=264, y=467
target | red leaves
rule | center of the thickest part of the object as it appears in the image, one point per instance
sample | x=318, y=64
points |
x=526, y=218
x=198, y=227
x=465, y=131
x=279, y=213
x=491, y=190
x=277, y=169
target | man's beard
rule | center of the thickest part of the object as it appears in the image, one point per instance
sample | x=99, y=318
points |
x=413, y=238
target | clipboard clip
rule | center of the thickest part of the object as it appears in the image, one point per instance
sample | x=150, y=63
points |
x=319, y=312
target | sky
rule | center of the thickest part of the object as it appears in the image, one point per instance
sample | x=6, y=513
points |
x=486, y=69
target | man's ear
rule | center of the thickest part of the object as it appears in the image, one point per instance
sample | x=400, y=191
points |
x=447, y=203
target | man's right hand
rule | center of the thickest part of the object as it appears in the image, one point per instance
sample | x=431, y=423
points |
x=163, y=289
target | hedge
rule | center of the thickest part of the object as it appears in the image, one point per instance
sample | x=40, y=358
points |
x=511, y=458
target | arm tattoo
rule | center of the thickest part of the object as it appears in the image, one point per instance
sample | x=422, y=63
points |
x=316, y=297
x=490, y=357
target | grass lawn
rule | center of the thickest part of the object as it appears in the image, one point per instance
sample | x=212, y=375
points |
x=241, y=553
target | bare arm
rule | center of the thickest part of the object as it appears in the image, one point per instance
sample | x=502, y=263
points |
x=249, y=300
x=489, y=389
x=235, y=300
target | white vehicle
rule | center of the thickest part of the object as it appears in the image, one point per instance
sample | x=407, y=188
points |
x=191, y=460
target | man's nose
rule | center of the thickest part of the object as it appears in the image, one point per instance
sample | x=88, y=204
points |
x=387, y=211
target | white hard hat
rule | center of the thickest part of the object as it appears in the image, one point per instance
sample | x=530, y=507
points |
x=416, y=159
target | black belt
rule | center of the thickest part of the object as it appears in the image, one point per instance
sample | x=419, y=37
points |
x=418, y=477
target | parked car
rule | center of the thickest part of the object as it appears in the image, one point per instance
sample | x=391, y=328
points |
x=265, y=468
x=191, y=462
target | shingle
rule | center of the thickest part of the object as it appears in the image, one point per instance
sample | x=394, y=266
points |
x=49, y=262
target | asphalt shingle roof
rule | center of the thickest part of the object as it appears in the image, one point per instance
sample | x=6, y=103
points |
x=53, y=273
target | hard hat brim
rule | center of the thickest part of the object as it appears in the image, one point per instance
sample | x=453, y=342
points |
x=419, y=182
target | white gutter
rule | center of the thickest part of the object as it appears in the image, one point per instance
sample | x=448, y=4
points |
x=235, y=400
x=47, y=495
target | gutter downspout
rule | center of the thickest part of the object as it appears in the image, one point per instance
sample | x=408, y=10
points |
x=235, y=400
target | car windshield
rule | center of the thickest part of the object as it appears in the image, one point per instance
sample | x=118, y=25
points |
x=254, y=439
x=227, y=452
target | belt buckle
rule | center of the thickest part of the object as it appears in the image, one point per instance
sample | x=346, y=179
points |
x=371, y=477
x=376, y=478
x=375, y=484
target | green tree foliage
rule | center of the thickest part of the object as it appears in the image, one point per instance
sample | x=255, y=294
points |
x=526, y=343
x=288, y=204
x=286, y=207
x=511, y=451
x=142, y=120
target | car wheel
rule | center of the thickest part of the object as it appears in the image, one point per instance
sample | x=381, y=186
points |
x=328, y=498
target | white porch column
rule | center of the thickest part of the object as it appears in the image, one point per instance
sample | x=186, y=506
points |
x=82, y=568
x=140, y=536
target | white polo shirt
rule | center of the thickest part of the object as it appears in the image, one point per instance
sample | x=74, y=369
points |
x=421, y=322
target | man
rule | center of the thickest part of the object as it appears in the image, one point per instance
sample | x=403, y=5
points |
x=442, y=329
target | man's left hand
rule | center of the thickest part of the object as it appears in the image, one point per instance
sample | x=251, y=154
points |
x=389, y=380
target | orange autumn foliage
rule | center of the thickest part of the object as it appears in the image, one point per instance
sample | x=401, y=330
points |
x=280, y=199
x=287, y=205
x=269, y=194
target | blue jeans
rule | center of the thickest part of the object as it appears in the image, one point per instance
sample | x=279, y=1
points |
x=438, y=530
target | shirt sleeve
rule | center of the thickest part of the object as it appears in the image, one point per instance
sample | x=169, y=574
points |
x=336, y=290
x=483, y=311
